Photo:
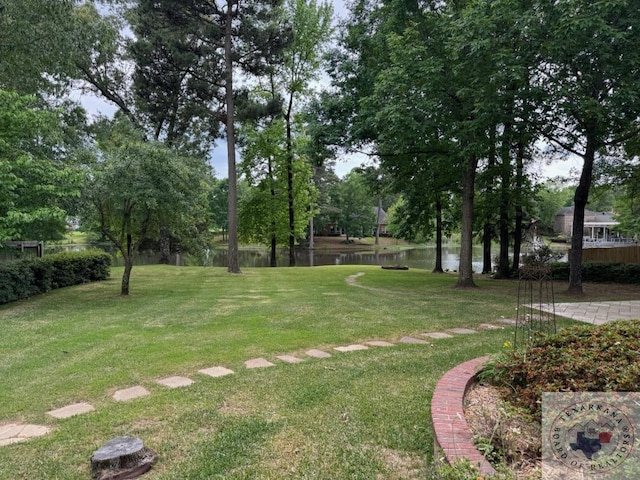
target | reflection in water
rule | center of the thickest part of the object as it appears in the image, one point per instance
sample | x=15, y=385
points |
x=424, y=257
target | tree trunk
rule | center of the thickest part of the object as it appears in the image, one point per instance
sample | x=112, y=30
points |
x=486, y=247
x=487, y=229
x=505, y=196
x=273, y=261
x=292, y=225
x=128, y=266
x=377, y=242
x=579, y=204
x=121, y=458
x=165, y=246
x=465, y=269
x=233, y=266
x=311, y=224
x=438, y=267
x=517, y=233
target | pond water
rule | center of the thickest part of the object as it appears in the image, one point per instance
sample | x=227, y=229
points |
x=421, y=257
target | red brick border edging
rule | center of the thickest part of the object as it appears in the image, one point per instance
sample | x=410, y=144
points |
x=450, y=430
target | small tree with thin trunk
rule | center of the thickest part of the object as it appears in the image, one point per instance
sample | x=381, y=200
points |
x=135, y=186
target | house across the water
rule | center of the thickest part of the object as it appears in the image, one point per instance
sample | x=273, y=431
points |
x=599, y=228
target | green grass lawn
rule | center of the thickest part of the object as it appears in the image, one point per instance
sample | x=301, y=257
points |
x=356, y=415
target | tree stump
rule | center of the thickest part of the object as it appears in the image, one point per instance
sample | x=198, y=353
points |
x=122, y=458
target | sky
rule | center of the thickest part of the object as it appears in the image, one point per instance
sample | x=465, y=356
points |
x=96, y=106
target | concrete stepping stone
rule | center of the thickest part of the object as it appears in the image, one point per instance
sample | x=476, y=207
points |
x=258, y=363
x=317, y=353
x=289, y=358
x=71, y=410
x=175, y=382
x=489, y=326
x=412, y=340
x=15, y=433
x=462, y=331
x=130, y=393
x=216, y=371
x=507, y=321
x=351, y=348
x=11, y=430
x=380, y=343
x=437, y=335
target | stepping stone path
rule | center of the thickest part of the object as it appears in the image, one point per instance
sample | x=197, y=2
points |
x=289, y=358
x=437, y=335
x=488, y=326
x=351, y=348
x=216, y=371
x=412, y=340
x=380, y=343
x=317, y=353
x=130, y=393
x=13, y=433
x=258, y=363
x=175, y=382
x=462, y=331
x=71, y=410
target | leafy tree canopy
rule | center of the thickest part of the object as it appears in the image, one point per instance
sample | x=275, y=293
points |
x=38, y=177
x=135, y=186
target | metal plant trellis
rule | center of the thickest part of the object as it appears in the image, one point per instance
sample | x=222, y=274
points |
x=536, y=312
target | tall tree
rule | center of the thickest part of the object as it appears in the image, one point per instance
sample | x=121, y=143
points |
x=590, y=60
x=263, y=212
x=311, y=27
x=187, y=52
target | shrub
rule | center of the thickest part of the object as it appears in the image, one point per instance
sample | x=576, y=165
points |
x=32, y=276
x=600, y=272
x=584, y=358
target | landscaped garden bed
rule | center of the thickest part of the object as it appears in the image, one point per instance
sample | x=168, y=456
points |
x=503, y=409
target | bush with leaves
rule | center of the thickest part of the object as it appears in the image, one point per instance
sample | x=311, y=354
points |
x=584, y=358
x=27, y=277
x=627, y=273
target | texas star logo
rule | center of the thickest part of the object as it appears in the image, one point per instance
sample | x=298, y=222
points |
x=594, y=437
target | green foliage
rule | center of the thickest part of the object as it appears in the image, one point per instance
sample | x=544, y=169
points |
x=584, y=358
x=37, y=177
x=25, y=278
x=627, y=205
x=37, y=43
x=137, y=186
x=600, y=272
x=550, y=197
x=463, y=470
x=355, y=203
x=218, y=203
x=263, y=211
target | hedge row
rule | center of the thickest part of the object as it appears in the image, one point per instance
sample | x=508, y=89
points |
x=32, y=276
x=600, y=272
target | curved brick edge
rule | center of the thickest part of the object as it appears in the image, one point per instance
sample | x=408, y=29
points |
x=451, y=433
